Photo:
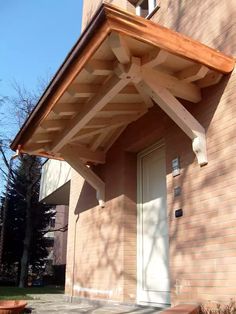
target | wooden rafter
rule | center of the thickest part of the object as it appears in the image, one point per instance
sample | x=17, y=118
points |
x=178, y=88
x=99, y=139
x=119, y=48
x=98, y=102
x=168, y=40
x=122, y=108
x=88, y=90
x=99, y=67
x=52, y=125
x=106, y=93
x=85, y=153
x=120, y=26
x=146, y=98
x=116, y=120
x=193, y=73
x=42, y=138
x=154, y=58
x=210, y=79
x=66, y=109
x=89, y=133
x=114, y=136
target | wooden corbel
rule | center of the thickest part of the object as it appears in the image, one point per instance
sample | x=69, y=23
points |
x=86, y=172
x=177, y=112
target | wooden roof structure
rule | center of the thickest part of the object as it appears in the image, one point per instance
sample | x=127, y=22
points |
x=120, y=64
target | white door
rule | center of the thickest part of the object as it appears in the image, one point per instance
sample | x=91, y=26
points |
x=153, y=240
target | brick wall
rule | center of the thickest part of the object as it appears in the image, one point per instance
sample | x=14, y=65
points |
x=60, y=238
x=203, y=241
x=89, y=7
x=213, y=22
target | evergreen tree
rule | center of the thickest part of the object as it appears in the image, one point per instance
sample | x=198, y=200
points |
x=26, y=220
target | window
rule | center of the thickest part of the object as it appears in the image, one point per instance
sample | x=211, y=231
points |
x=146, y=8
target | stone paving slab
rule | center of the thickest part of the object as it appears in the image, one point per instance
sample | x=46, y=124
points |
x=56, y=304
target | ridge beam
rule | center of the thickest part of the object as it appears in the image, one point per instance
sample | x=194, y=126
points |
x=86, y=172
x=177, y=112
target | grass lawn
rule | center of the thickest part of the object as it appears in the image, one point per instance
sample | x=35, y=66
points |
x=15, y=293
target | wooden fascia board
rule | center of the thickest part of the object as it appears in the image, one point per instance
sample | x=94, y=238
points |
x=110, y=18
x=156, y=35
x=42, y=154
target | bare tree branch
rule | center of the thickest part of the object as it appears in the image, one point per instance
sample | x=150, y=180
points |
x=62, y=229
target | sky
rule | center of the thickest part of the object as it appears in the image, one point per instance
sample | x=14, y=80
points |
x=35, y=37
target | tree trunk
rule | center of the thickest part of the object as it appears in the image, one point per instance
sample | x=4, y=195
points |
x=27, y=241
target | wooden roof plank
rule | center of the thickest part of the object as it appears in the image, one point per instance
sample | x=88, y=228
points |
x=108, y=91
x=108, y=20
x=167, y=39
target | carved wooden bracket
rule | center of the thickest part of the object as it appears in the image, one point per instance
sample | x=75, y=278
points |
x=71, y=157
x=177, y=112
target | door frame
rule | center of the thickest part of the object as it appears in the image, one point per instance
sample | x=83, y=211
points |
x=140, y=155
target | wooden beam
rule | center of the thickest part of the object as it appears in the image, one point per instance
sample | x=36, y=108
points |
x=34, y=148
x=131, y=70
x=99, y=139
x=177, y=112
x=193, y=73
x=114, y=136
x=146, y=98
x=175, y=43
x=210, y=79
x=85, y=153
x=111, y=19
x=121, y=108
x=66, y=109
x=72, y=159
x=82, y=90
x=154, y=58
x=106, y=93
x=99, y=67
x=119, y=48
x=85, y=133
x=115, y=133
x=88, y=90
x=187, y=91
x=104, y=96
x=42, y=138
x=53, y=125
x=117, y=120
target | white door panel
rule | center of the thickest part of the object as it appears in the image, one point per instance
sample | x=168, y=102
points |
x=153, y=239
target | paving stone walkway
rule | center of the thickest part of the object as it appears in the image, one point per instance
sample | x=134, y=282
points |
x=56, y=304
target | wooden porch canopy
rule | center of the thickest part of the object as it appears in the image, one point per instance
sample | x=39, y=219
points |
x=120, y=64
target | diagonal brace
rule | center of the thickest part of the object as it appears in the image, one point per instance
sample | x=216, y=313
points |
x=177, y=112
x=87, y=173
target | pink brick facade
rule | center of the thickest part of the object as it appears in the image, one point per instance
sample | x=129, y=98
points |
x=102, y=242
x=60, y=238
